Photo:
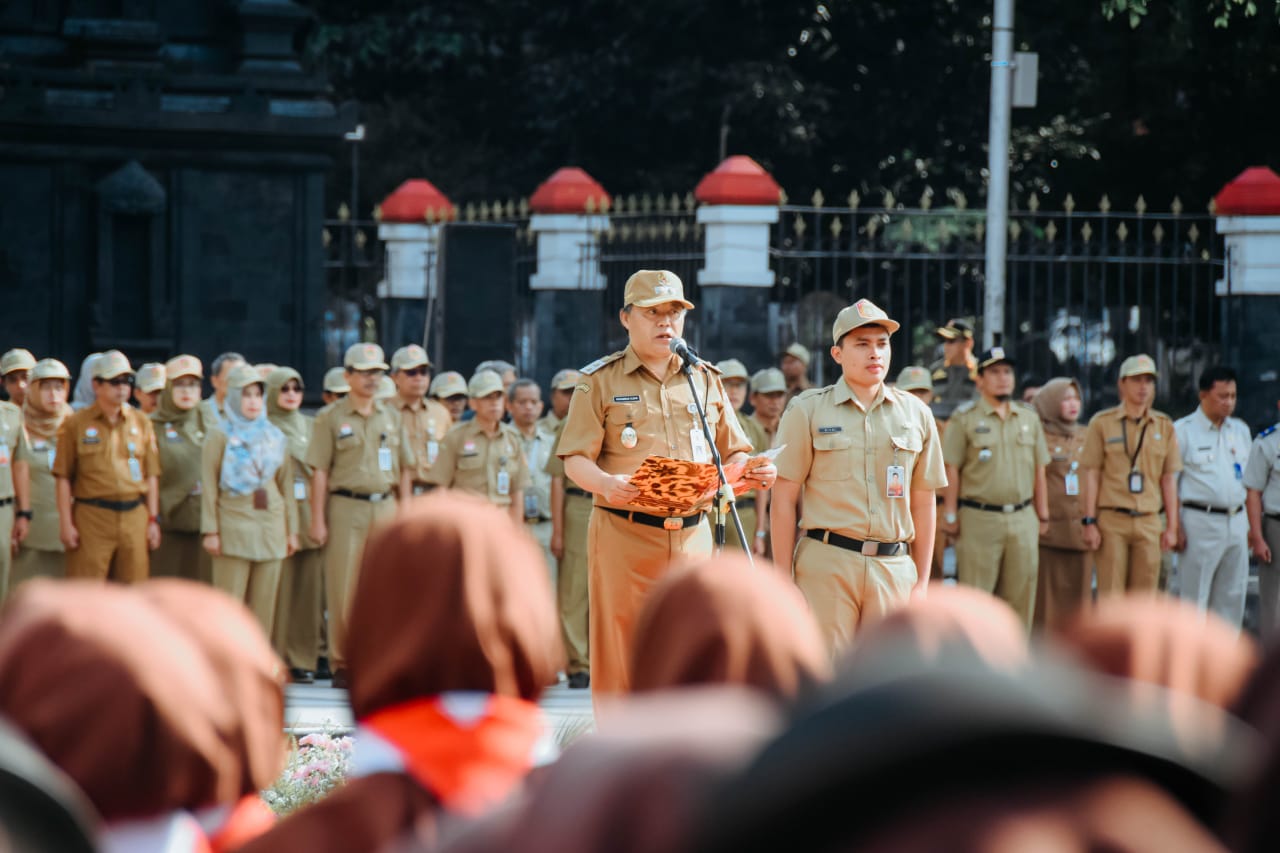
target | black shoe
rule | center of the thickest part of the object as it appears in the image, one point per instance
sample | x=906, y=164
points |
x=579, y=680
x=340, y=680
x=323, y=673
x=301, y=676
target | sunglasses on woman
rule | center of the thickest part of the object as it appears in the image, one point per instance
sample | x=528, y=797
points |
x=292, y=388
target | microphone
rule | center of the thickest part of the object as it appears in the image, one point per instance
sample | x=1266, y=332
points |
x=680, y=347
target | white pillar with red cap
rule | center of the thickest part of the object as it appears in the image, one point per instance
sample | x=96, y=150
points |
x=1248, y=211
x=569, y=212
x=739, y=205
x=408, y=226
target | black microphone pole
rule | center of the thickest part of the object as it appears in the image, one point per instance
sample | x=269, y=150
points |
x=725, y=497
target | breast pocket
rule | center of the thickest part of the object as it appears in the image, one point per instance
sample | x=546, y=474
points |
x=832, y=457
x=907, y=444
x=470, y=463
x=617, y=421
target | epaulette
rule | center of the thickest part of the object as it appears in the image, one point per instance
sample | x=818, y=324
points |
x=601, y=362
x=1266, y=432
x=940, y=373
x=811, y=392
x=1023, y=405
x=709, y=366
x=967, y=405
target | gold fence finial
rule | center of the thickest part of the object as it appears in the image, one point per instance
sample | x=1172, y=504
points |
x=1175, y=207
x=1193, y=233
x=1122, y=231
x=1033, y=202
x=690, y=202
x=1015, y=230
x=591, y=204
x=817, y=198
x=926, y=198
x=646, y=203
x=1051, y=231
x=1140, y=205
x=854, y=199
x=1157, y=234
x=1104, y=204
x=798, y=226
x=1069, y=204
x=469, y=212
x=377, y=213
x=660, y=203
x=836, y=227
x=1086, y=232
x=344, y=212
x=889, y=200
x=523, y=207
x=782, y=196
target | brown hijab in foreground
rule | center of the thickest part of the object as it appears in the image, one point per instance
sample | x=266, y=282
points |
x=724, y=621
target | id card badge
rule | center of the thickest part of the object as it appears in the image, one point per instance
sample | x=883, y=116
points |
x=53, y=455
x=433, y=450
x=1135, y=482
x=1072, y=483
x=4, y=454
x=504, y=483
x=699, y=443
x=259, y=498
x=895, y=482
x=1239, y=471
x=384, y=458
x=531, y=506
x=135, y=469
x=299, y=489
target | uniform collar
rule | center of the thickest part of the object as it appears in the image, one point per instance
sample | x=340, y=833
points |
x=1203, y=422
x=988, y=409
x=401, y=404
x=346, y=405
x=631, y=362
x=844, y=394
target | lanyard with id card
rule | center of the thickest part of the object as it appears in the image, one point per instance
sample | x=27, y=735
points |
x=135, y=467
x=504, y=479
x=1136, y=481
x=1071, y=480
x=384, y=454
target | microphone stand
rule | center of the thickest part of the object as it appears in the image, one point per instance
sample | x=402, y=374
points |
x=725, y=502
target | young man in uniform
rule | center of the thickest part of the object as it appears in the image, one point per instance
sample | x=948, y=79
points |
x=1130, y=461
x=995, y=452
x=15, y=485
x=524, y=402
x=450, y=389
x=736, y=381
x=107, y=460
x=570, y=520
x=794, y=362
x=211, y=407
x=627, y=406
x=864, y=547
x=1262, y=482
x=954, y=373
x=1213, y=563
x=361, y=462
x=425, y=421
x=335, y=385
x=15, y=368
x=917, y=380
x=150, y=382
x=562, y=385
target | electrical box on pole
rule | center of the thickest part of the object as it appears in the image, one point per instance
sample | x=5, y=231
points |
x=1026, y=76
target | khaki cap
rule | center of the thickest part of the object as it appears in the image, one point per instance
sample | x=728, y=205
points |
x=49, y=368
x=1138, y=365
x=266, y=369
x=768, y=381
x=408, y=357
x=151, y=377
x=798, y=350
x=447, y=384
x=995, y=355
x=955, y=330
x=915, y=378
x=731, y=368
x=647, y=288
x=244, y=375
x=335, y=381
x=365, y=357
x=184, y=365
x=386, y=389
x=483, y=384
x=111, y=364
x=565, y=380
x=864, y=312
x=16, y=359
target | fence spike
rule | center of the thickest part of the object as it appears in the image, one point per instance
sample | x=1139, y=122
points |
x=325, y=237
x=1086, y=232
x=926, y=198
x=511, y=208
x=889, y=200
x=798, y=226
x=1194, y=233
x=682, y=230
x=1104, y=204
x=1015, y=230
x=469, y=212
x=1069, y=204
x=690, y=202
x=980, y=229
x=646, y=203
x=962, y=200
x=590, y=205
x=1157, y=234
x=1213, y=207
x=344, y=212
x=1175, y=207
x=660, y=203
x=377, y=213
x=1122, y=231
x=523, y=207
x=1033, y=202
x=854, y=199
x=817, y=198
x=429, y=216
x=667, y=229
x=873, y=225
x=1140, y=206
x=836, y=227
x=1051, y=232
x=605, y=204
x=782, y=196
x=362, y=239
x=908, y=230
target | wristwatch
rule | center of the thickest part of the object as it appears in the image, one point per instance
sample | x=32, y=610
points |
x=1088, y=519
x=949, y=517
x=760, y=534
x=24, y=513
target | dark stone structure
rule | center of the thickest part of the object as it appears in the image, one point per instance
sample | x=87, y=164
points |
x=163, y=169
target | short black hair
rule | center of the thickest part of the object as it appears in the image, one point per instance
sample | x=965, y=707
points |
x=522, y=383
x=1218, y=373
x=882, y=328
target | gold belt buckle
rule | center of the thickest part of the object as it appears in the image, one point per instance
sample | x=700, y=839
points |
x=672, y=523
x=870, y=549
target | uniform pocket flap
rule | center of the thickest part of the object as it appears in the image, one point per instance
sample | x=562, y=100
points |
x=832, y=442
x=623, y=415
x=910, y=442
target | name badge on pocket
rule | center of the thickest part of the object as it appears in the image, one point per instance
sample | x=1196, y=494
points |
x=384, y=458
x=433, y=450
x=504, y=483
x=1072, y=483
x=135, y=470
x=299, y=489
x=895, y=482
x=1135, y=482
x=699, y=444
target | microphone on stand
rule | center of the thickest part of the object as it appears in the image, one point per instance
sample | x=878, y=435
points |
x=680, y=347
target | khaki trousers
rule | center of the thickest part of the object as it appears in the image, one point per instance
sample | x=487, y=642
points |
x=1064, y=586
x=571, y=584
x=626, y=560
x=541, y=533
x=998, y=552
x=1129, y=558
x=295, y=633
x=255, y=582
x=32, y=563
x=349, y=520
x=1269, y=585
x=847, y=591
x=112, y=544
x=747, y=515
x=182, y=555
x=6, y=554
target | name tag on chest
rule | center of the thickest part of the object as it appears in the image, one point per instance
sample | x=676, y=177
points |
x=627, y=398
x=698, y=441
x=384, y=458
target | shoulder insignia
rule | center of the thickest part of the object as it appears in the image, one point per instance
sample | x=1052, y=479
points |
x=812, y=392
x=1266, y=432
x=966, y=406
x=717, y=371
x=601, y=362
x=1030, y=409
x=940, y=373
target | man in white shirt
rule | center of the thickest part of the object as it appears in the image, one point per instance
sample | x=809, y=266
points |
x=1262, y=482
x=1213, y=568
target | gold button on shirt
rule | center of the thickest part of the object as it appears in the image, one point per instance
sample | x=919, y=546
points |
x=841, y=453
x=346, y=443
x=425, y=424
x=471, y=459
x=997, y=457
x=623, y=393
x=94, y=454
x=1106, y=449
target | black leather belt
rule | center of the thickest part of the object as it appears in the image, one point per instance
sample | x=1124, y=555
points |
x=574, y=490
x=868, y=549
x=994, y=507
x=1132, y=513
x=346, y=493
x=114, y=506
x=666, y=522
x=1272, y=515
x=1212, y=510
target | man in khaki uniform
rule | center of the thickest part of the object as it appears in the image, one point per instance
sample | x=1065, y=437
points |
x=794, y=363
x=15, y=368
x=627, y=406
x=995, y=453
x=955, y=372
x=450, y=390
x=108, y=462
x=570, y=521
x=1262, y=484
x=335, y=385
x=361, y=460
x=524, y=403
x=425, y=421
x=150, y=382
x=1130, y=461
x=15, y=487
x=736, y=381
x=917, y=380
x=863, y=461
x=562, y=385
x=46, y=407
x=483, y=455
x=768, y=399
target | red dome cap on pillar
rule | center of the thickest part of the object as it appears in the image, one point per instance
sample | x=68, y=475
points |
x=1254, y=192
x=568, y=191
x=417, y=200
x=738, y=180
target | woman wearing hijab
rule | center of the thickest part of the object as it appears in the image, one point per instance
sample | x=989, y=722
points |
x=249, y=524
x=296, y=633
x=180, y=434
x=43, y=411
x=83, y=397
x=724, y=622
x=453, y=636
x=1066, y=565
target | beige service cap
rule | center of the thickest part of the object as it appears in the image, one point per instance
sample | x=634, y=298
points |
x=731, y=368
x=864, y=312
x=335, y=381
x=151, y=377
x=49, y=368
x=184, y=365
x=266, y=369
x=483, y=384
x=1138, y=365
x=409, y=357
x=565, y=380
x=447, y=384
x=365, y=357
x=798, y=350
x=768, y=381
x=386, y=389
x=647, y=288
x=915, y=378
x=16, y=359
x=244, y=375
x=111, y=364
x=955, y=330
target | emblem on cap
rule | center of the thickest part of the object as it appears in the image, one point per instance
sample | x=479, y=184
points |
x=865, y=309
x=997, y=353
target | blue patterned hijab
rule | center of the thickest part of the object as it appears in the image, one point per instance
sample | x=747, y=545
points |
x=255, y=448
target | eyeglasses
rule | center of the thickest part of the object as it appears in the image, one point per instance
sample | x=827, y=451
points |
x=417, y=371
x=291, y=388
x=117, y=381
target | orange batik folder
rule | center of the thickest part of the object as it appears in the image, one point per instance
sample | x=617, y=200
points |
x=681, y=487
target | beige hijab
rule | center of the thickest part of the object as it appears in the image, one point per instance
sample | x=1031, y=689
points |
x=1048, y=405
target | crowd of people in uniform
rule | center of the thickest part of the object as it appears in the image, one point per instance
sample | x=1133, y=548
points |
x=414, y=530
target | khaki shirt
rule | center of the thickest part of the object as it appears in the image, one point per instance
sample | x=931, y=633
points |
x=759, y=441
x=210, y=412
x=473, y=461
x=840, y=453
x=180, y=487
x=997, y=458
x=619, y=391
x=551, y=423
x=770, y=436
x=953, y=386
x=246, y=532
x=1065, y=511
x=1106, y=450
x=13, y=445
x=94, y=454
x=425, y=424
x=537, y=497
x=44, y=532
x=1262, y=472
x=346, y=444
